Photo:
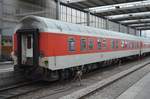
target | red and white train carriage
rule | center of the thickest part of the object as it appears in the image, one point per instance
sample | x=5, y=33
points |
x=53, y=46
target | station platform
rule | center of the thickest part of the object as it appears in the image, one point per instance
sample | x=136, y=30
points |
x=6, y=66
x=6, y=62
x=140, y=90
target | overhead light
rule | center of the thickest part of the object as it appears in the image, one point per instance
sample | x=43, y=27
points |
x=73, y=1
x=130, y=5
x=139, y=20
x=117, y=7
x=139, y=14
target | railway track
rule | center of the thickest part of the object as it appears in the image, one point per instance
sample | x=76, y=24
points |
x=80, y=94
x=89, y=80
x=17, y=89
x=55, y=90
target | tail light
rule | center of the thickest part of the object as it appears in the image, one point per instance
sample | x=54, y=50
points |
x=46, y=62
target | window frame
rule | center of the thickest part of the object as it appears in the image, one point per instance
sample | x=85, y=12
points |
x=112, y=43
x=29, y=42
x=81, y=47
x=104, y=43
x=69, y=47
x=116, y=43
x=89, y=42
x=122, y=43
x=99, y=39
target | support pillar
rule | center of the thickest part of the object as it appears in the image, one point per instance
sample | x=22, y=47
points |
x=119, y=27
x=128, y=31
x=1, y=13
x=140, y=33
x=107, y=23
x=1, y=26
x=58, y=9
x=88, y=18
x=135, y=32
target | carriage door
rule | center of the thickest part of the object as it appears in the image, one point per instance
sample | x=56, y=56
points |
x=28, y=47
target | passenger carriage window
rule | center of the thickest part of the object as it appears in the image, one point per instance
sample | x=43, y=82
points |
x=132, y=44
x=128, y=45
x=112, y=43
x=99, y=43
x=71, y=44
x=91, y=43
x=140, y=44
x=125, y=44
x=122, y=43
x=137, y=45
x=29, y=45
x=116, y=43
x=83, y=44
x=104, y=43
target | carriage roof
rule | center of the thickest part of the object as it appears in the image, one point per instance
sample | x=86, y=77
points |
x=46, y=24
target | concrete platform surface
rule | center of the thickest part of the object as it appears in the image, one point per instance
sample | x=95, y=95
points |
x=140, y=90
x=6, y=66
x=6, y=62
x=6, y=70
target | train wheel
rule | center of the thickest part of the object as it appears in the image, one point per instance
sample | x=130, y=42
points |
x=94, y=66
x=72, y=72
x=65, y=74
x=61, y=75
x=84, y=70
x=89, y=67
x=34, y=73
x=50, y=75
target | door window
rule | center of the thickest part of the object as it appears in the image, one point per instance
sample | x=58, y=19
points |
x=29, y=45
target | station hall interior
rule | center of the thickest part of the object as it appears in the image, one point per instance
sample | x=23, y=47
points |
x=74, y=49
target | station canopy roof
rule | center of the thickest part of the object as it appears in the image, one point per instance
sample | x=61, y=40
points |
x=133, y=13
